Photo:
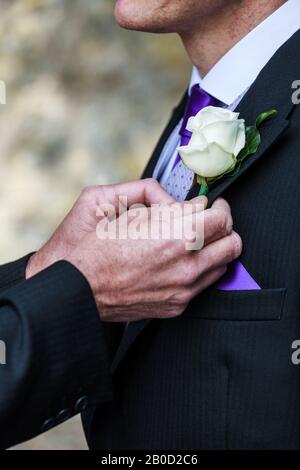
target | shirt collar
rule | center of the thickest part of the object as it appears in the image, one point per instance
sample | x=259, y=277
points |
x=231, y=77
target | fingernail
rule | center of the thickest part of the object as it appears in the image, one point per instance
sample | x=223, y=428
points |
x=221, y=204
x=200, y=200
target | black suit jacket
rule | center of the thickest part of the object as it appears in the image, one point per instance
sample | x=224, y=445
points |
x=221, y=375
x=56, y=355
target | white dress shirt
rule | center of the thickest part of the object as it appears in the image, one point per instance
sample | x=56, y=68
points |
x=232, y=76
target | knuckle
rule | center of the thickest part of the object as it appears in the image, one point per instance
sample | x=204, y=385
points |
x=183, y=298
x=237, y=244
x=88, y=191
x=173, y=312
x=206, y=262
x=229, y=225
x=151, y=182
x=179, y=247
x=187, y=274
x=222, y=222
x=191, y=273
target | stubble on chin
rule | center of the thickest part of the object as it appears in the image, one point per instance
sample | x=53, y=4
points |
x=140, y=15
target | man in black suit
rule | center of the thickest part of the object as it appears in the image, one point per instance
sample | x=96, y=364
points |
x=222, y=375
x=55, y=305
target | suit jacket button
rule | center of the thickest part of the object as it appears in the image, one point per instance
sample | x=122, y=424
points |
x=63, y=415
x=48, y=424
x=82, y=404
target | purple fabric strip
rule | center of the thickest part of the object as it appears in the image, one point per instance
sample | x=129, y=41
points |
x=198, y=100
x=237, y=278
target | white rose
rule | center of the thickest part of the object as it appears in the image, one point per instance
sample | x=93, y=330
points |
x=218, y=136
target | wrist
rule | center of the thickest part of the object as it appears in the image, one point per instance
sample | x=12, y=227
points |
x=85, y=264
x=41, y=260
x=35, y=265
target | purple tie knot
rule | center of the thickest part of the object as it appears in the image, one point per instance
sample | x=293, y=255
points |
x=198, y=100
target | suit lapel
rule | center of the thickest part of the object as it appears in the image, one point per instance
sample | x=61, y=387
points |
x=272, y=90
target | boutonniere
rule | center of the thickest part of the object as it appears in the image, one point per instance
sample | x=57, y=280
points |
x=220, y=142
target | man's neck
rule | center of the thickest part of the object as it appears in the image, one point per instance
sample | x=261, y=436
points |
x=210, y=40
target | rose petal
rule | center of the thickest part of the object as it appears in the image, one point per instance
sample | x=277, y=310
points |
x=225, y=134
x=241, y=138
x=212, y=162
x=198, y=141
x=209, y=115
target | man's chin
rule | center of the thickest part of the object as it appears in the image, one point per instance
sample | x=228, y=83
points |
x=129, y=16
x=124, y=15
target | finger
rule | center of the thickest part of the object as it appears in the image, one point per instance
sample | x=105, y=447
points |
x=218, y=223
x=208, y=280
x=221, y=203
x=182, y=210
x=198, y=204
x=147, y=191
x=189, y=229
x=198, y=201
x=186, y=208
x=220, y=252
x=185, y=214
x=203, y=227
x=182, y=221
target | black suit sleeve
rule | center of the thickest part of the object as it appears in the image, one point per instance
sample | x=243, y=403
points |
x=56, y=355
x=13, y=273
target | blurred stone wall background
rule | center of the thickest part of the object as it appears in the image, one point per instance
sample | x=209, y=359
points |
x=86, y=102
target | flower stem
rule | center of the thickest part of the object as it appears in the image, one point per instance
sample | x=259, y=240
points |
x=203, y=186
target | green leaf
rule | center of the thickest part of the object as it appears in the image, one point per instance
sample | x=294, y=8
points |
x=264, y=116
x=235, y=170
x=253, y=138
x=253, y=141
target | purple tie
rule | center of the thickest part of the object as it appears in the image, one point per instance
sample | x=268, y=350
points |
x=198, y=100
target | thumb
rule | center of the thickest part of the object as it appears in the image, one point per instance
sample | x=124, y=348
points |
x=199, y=203
x=220, y=203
